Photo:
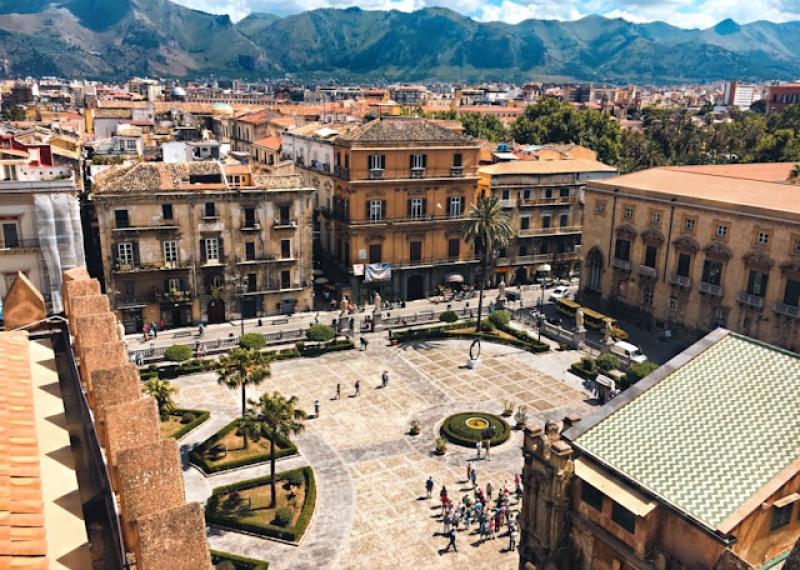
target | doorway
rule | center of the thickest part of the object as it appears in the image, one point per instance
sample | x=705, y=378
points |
x=415, y=287
x=216, y=311
x=249, y=308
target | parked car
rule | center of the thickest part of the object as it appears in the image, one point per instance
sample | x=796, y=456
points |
x=628, y=353
x=559, y=292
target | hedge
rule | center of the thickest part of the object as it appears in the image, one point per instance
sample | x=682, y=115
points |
x=521, y=338
x=448, y=317
x=607, y=362
x=178, y=352
x=199, y=417
x=332, y=346
x=172, y=371
x=500, y=318
x=293, y=534
x=320, y=333
x=456, y=431
x=636, y=372
x=578, y=369
x=239, y=562
x=252, y=340
x=196, y=454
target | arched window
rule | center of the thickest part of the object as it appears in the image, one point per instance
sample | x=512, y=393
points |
x=594, y=270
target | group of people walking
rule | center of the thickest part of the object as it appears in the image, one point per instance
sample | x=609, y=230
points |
x=487, y=508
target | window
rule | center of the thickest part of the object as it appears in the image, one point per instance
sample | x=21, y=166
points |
x=712, y=272
x=650, y=255
x=563, y=220
x=125, y=253
x=722, y=231
x=622, y=250
x=762, y=238
x=720, y=317
x=524, y=222
x=546, y=221
x=286, y=248
x=564, y=193
x=377, y=161
x=251, y=282
x=647, y=295
x=757, y=283
x=594, y=266
x=600, y=206
x=416, y=208
x=170, y=251
x=684, y=264
x=376, y=210
x=415, y=250
x=623, y=517
x=592, y=496
x=249, y=217
x=418, y=161
x=286, y=279
x=455, y=206
x=250, y=250
x=797, y=245
x=689, y=224
x=458, y=160
x=166, y=211
x=522, y=250
x=791, y=294
x=121, y=219
x=173, y=284
x=10, y=235
x=285, y=215
x=655, y=218
x=628, y=213
x=506, y=194
x=210, y=210
x=781, y=516
x=211, y=249
x=548, y=193
x=453, y=247
x=375, y=251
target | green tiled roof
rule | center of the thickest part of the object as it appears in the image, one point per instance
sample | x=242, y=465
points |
x=710, y=434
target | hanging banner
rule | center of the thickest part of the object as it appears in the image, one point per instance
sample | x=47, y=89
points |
x=377, y=272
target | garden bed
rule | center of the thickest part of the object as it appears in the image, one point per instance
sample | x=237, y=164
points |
x=245, y=505
x=501, y=335
x=178, y=423
x=219, y=560
x=211, y=457
x=469, y=427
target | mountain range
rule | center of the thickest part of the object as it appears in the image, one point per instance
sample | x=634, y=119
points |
x=110, y=39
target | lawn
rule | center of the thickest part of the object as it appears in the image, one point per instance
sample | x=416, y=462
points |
x=253, y=505
x=181, y=422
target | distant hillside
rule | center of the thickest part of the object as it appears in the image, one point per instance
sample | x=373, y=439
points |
x=119, y=38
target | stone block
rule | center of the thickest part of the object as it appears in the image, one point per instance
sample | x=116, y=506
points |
x=80, y=288
x=87, y=305
x=99, y=357
x=75, y=274
x=150, y=480
x=128, y=425
x=112, y=386
x=92, y=330
x=23, y=304
x=174, y=539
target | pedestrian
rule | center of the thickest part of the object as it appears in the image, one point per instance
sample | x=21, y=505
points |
x=154, y=330
x=362, y=342
x=366, y=343
x=358, y=387
x=512, y=539
x=352, y=324
x=317, y=406
x=162, y=324
x=498, y=521
x=338, y=392
x=474, y=477
x=385, y=378
x=466, y=501
x=487, y=445
x=491, y=533
x=489, y=489
x=429, y=487
x=517, y=479
x=316, y=319
x=452, y=536
x=467, y=519
x=478, y=447
x=447, y=520
x=469, y=471
x=483, y=526
x=201, y=329
x=146, y=332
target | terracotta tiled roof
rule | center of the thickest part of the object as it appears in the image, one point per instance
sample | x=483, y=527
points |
x=151, y=177
x=256, y=118
x=273, y=142
x=23, y=541
x=401, y=130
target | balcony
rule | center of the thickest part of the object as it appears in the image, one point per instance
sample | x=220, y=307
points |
x=286, y=224
x=621, y=264
x=791, y=311
x=250, y=226
x=557, y=201
x=680, y=281
x=216, y=262
x=710, y=289
x=145, y=267
x=341, y=172
x=268, y=258
x=553, y=230
x=647, y=271
x=417, y=173
x=750, y=300
x=457, y=171
x=408, y=220
x=429, y=261
x=273, y=287
x=376, y=174
x=129, y=230
x=174, y=296
x=20, y=244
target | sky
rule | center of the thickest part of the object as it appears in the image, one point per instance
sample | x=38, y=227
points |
x=683, y=13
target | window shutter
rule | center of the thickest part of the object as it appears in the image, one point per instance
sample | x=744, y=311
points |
x=424, y=206
x=368, y=203
x=136, y=253
x=369, y=162
x=408, y=209
x=410, y=161
x=382, y=161
x=166, y=286
x=449, y=210
x=221, y=250
x=384, y=209
x=202, y=249
x=424, y=161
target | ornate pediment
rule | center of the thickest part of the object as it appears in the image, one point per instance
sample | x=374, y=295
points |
x=718, y=251
x=758, y=259
x=687, y=244
x=626, y=231
x=653, y=237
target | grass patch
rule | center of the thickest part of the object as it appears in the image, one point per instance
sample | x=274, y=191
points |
x=225, y=450
x=245, y=505
x=179, y=423
x=502, y=335
x=236, y=562
x=470, y=427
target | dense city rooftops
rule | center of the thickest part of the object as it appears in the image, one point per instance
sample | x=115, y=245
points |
x=404, y=130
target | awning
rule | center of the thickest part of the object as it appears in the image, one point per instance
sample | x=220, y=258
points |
x=635, y=502
x=454, y=278
x=787, y=500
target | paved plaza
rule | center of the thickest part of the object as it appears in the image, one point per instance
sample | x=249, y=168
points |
x=371, y=511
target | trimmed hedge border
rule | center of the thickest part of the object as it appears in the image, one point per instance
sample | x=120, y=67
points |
x=577, y=370
x=521, y=339
x=199, y=417
x=290, y=534
x=196, y=454
x=454, y=434
x=240, y=562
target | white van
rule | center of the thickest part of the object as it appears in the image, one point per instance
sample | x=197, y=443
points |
x=628, y=353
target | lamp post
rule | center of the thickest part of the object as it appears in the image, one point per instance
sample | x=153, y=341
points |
x=240, y=283
x=544, y=268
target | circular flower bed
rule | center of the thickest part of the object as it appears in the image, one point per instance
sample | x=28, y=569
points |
x=469, y=427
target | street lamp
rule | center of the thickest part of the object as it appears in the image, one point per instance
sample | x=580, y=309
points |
x=544, y=268
x=240, y=283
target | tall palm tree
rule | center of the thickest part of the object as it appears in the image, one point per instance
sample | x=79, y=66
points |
x=162, y=391
x=487, y=228
x=240, y=368
x=275, y=418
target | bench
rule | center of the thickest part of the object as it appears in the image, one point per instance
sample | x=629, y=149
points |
x=181, y=334
x=280, y=322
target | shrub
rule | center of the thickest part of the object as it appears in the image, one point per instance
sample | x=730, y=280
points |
x=448, y=317
x=187, y=418
x=441, y=445
x=295, y=478
x=283, y=517
x=500, y=318
x=198, y=417
x=196, y=455
x=320, y=333
x=586, y=364
x=585, y=368
x=254, y=341
x=225, y=565
x=178, y=352
x=239, y=562
x=638, y=371
x=521, y=417
x=415, y=427
x=455, y=429
x=607, y=362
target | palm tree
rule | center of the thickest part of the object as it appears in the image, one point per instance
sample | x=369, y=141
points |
x=275, y=418
x=162, y=391
x=487, y=228
x=240, y=368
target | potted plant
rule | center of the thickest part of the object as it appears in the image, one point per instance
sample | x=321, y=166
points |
x=508, y=408
x=441, y=446
x=521, y=417
x=415, y=428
